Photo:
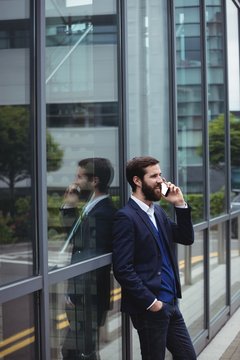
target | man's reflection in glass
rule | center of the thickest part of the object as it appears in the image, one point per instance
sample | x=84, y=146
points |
x=88, y=298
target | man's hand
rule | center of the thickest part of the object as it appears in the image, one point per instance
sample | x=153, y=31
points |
x=157, y=306
x=71, y=196
x=175, y=195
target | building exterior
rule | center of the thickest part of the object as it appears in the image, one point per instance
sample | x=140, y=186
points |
x=114, y=79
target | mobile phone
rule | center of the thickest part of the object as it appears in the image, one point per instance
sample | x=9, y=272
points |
x=165, y=189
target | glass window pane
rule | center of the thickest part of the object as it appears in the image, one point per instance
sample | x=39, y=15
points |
x=234, y=100
x=191, y=265
x=217, y=258
x=16, y=137
x=148, y=81
x=216, y=107
x=235, y=256
x=189, y=105
x=82, y=123
x=17, y=330
x=85, y=317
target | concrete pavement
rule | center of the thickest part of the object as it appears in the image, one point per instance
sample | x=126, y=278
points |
x=226, y=344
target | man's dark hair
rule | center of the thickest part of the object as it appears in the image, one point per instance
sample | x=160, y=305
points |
x=137, y=166
x=100, y=168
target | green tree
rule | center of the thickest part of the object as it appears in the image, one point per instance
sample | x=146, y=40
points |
x=14, y=140
x=217, y=137
x=235, y=140
x=54, y=154
x=216, y=132
x=16, y=149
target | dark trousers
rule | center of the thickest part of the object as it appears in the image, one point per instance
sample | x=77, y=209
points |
x=163, y=329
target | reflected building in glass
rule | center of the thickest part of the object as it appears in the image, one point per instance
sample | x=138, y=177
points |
x=86, y=85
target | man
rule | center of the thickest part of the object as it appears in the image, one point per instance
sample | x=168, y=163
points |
x=145, y=265
x=88, y=298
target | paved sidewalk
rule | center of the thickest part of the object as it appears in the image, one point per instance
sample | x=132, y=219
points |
x=226, y=344
x=233, y=351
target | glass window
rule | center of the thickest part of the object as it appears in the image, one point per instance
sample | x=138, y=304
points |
x=82, y=126
x=148, y=81
x=216, y=107
x=17, y=329
x=16, y=140
x=191, y=266
x=217, y=260
x=14, y=34
x=85, y=317
x=235, y=256
x=189, y=105
x=234, y=100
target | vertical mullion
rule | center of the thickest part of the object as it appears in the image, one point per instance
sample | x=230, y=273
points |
x=33, y=124
x=123, y=145
x=226, y=107
x=42, y=185
x=122, y=95
x=173, y=92
x=204, y=68
x=34, y=209
x=227, y=155
x=173, y=105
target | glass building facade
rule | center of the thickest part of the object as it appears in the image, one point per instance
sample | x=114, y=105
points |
x=83, y=80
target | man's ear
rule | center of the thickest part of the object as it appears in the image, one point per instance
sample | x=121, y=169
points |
x=95, y=180
x=137, y=181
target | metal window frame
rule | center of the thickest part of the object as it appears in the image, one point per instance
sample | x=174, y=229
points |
x=70, y=271
x=127, y=352
x=237, y=3
x=44, y=314
x=21, y=288
x=206, y=245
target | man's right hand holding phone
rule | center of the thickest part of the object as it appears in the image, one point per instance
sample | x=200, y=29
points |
x=172, y=194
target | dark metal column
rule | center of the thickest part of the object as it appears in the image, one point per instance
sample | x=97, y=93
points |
x=41, y=176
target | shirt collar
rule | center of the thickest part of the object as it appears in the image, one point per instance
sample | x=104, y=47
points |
x=148, y=209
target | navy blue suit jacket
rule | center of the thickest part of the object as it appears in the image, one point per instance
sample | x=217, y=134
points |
x=137, y=259
x=93, y=237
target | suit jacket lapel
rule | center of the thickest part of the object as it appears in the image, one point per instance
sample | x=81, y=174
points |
x=145, y=218
x=161, y=225
x=163, y=233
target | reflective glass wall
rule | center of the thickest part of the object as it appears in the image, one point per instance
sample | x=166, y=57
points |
x=17, y=179
x=190, y=157
x=205, y=132
x=84, y=317
x=234, y=120
x=18, y=329
x=83, y=172
x=216, y=105
x=17, y=234
x=190, y=113
x=234, y=101
x=82, y=113
x=148, y=87
x=217, y=140
x=148, y=81
x=120, y=79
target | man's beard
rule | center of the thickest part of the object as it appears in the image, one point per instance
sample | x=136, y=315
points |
x=149, y=192
x=85, y=195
